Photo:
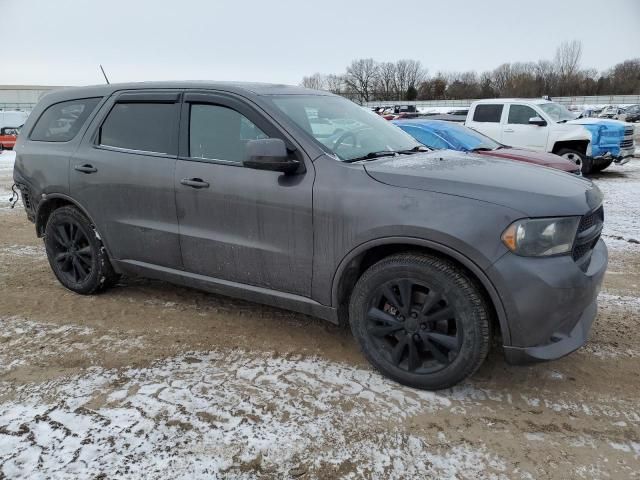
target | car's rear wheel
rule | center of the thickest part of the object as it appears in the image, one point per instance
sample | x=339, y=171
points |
x=578, y=158
x=420, y=320
x=76, y=254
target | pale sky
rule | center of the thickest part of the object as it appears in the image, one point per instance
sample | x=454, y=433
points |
x=61, y=42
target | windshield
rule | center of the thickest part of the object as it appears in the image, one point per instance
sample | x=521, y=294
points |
x=557, y=112
x=463, y=138
x=342, y=127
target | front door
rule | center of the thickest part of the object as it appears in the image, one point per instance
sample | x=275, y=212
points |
x=122, y=174
x=518, y=132
x=239, y=224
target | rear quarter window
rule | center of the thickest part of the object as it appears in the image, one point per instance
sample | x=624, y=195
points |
x=62, y=121
x=487, y=113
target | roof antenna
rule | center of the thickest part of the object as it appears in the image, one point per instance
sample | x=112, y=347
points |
x=105, y=75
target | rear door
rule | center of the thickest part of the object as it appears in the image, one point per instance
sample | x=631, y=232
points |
x=487, y=119
x=517, y=131
x=123, y=175
x=239, y=224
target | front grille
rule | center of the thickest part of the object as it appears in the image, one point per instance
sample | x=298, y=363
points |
x=628, y=132
x=589, y=220
x=586, y=239
x=627, y=143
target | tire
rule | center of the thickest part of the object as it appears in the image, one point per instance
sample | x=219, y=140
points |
x=598, y=167
x=76, y=254
x=585, y=163
x=432, y=351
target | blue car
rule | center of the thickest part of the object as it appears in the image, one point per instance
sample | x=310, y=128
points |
x=438, y=134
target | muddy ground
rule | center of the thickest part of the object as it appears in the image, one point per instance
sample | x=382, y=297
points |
x=157, y=381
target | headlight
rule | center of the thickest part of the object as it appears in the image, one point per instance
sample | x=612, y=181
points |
x=540, y=237
x=589, y=150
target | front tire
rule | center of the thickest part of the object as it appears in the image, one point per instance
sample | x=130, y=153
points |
x=585, y=163
x=76, y=254
x=420, y=320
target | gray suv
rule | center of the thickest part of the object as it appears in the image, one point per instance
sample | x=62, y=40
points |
x=303, y=200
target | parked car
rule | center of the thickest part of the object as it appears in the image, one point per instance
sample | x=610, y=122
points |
x=438, y=134
x=8, y=137
x=541, y=125
x=611, y=111
x=631, y=114
x=229, y=188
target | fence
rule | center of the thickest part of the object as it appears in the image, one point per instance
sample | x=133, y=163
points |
x=579, y=100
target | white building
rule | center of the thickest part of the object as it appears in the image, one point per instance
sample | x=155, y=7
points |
x=22, y=97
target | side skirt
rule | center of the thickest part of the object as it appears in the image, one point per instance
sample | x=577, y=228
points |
x=251, y=293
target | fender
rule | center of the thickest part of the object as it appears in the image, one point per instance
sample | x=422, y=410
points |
x=445, y=250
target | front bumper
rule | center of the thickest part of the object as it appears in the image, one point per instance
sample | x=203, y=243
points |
x=550, y=303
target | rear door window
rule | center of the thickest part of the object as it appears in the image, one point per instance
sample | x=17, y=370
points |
x=62, y=121
x=487, y=113
x=146, y=127
x=520, y=114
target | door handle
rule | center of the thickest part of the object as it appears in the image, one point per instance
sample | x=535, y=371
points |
x=508, y=130
x=86, y=168
x=194, y=183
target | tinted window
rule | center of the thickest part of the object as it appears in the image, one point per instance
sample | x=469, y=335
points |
x=149, y=127
x=220, y=133
x=62, y=121
x=487, y=113
x=520, y=114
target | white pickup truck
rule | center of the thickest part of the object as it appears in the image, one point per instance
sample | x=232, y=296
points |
x=538, y=124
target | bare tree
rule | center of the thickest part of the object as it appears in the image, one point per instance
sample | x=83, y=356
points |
x=316, y=81
x=408, y=74
x=361, y=77
x=386, y=81
x=335, y=83
x=567, y=64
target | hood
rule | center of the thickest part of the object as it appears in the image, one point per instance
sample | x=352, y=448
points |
x=596, y=121
x=538, y=158
x=534, y=191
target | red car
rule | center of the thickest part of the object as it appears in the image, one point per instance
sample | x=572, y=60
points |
x=8, y=137
x=438, y=134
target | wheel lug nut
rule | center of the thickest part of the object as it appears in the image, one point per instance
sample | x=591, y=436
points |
x=414, y=315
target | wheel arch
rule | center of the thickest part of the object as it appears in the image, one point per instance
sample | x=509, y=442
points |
x=52, y=202
x=577, y=145
x=360, y=258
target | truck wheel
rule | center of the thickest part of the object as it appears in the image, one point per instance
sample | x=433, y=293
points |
x=420, y=320
x=584, y=162
x=76, y=254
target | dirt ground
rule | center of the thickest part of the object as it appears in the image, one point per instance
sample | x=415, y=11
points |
x=157, y=381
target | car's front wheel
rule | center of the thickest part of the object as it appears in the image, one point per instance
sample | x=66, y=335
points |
x=420, y=320
x=76, y=254
x=584, y=162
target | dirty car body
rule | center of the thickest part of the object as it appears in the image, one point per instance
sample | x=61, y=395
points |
x=313, y=207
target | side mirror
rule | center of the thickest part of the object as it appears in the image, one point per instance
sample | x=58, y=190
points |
x=269, y=154
x=537, y=121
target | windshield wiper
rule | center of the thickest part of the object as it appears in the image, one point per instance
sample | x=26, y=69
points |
x=482, y=149
x=372, y=155
x=416, y=149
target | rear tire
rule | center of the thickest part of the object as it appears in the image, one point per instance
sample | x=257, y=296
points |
x=76, y=254
x=420, y=320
